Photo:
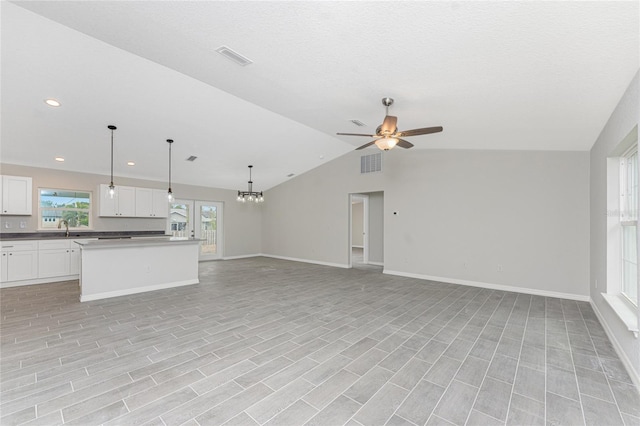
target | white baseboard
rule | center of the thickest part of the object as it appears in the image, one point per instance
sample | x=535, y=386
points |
x=491, y=286
x=635, y=377
x=315, y=262
x=375, y=263
x=38, y=281
x=242, y=256
x=126, y=292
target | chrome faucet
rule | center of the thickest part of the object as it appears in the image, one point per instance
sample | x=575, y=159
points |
x=66, y=224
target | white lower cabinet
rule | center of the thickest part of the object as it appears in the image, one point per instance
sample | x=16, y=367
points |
x=3, y=267
x=74, y=260
x=34, y=262
x=58, y=258
x=19, y=261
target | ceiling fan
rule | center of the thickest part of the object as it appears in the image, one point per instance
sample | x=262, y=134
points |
x=387, y=133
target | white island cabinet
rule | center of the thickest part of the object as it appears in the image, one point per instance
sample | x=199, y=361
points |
x=111, y=268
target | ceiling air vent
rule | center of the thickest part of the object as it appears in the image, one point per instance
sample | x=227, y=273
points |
x=234, y=56
x=357, y=123
x=192, y=158
x=371, y=163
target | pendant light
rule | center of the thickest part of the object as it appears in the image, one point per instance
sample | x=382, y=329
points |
x=250, y=195
x=112, y=188
x=169, y=192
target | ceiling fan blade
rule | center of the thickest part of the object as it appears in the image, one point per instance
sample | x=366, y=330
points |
x=404, y=144
x=388, y=126
x=423, y=131
x=356, y=134
x=365, y=145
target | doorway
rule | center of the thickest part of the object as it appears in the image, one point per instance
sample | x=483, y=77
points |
x=366, y=230
x=198, y=219
x=359, y=229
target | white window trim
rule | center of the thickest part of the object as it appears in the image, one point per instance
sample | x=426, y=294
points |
x=621, y=305
x=90, y=212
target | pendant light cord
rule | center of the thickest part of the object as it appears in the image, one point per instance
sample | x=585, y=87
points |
x=111, y=185
x=111, y=157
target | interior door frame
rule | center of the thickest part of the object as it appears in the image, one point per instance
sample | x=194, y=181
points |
x=365, y=226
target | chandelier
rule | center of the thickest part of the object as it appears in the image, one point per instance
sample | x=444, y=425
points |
x=250, y=195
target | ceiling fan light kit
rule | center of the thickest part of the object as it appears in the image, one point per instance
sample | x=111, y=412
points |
x=250, y=194
x=387, y=133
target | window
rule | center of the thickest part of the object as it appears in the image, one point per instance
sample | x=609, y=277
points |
x=55, y=205
x=629, y=222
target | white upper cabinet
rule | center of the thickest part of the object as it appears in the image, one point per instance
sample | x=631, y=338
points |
x=151, y=203
x=123, y=203
x=16, y=195
x=160, y=203
x=144, y=202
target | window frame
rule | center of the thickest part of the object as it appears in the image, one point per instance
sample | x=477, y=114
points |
x=88, y=211
x=628, y=217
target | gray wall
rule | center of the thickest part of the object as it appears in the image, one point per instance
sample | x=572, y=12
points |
x=242, y=222
x=622, y=121
x=461, y=214
x=376, y=227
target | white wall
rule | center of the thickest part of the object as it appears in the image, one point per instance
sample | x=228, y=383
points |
x=623, y=119
x=242, y=222
x=527, y=211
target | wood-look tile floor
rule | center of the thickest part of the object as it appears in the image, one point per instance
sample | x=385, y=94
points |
x=264, y=341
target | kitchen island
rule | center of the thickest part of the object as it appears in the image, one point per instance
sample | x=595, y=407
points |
x=118, y=267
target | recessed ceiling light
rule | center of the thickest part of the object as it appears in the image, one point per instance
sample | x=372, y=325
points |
x=60, y=159
x=52, y=102
x=234, y=56
x=131, y=163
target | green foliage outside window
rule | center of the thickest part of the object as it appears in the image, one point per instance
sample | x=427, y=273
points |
x=56, y=205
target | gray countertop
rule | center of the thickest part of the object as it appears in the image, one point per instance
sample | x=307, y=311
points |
x=59, y=235
x=135, y=242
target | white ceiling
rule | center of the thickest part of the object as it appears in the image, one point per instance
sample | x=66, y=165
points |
x=496, y=75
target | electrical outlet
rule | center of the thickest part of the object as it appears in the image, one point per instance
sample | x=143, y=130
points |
x=500, y=268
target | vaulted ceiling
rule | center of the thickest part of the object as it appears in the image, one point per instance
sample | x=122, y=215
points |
x=495, y=75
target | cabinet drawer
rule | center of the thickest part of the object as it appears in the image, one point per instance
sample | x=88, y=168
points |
x=19, y=245
x=53, y=244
